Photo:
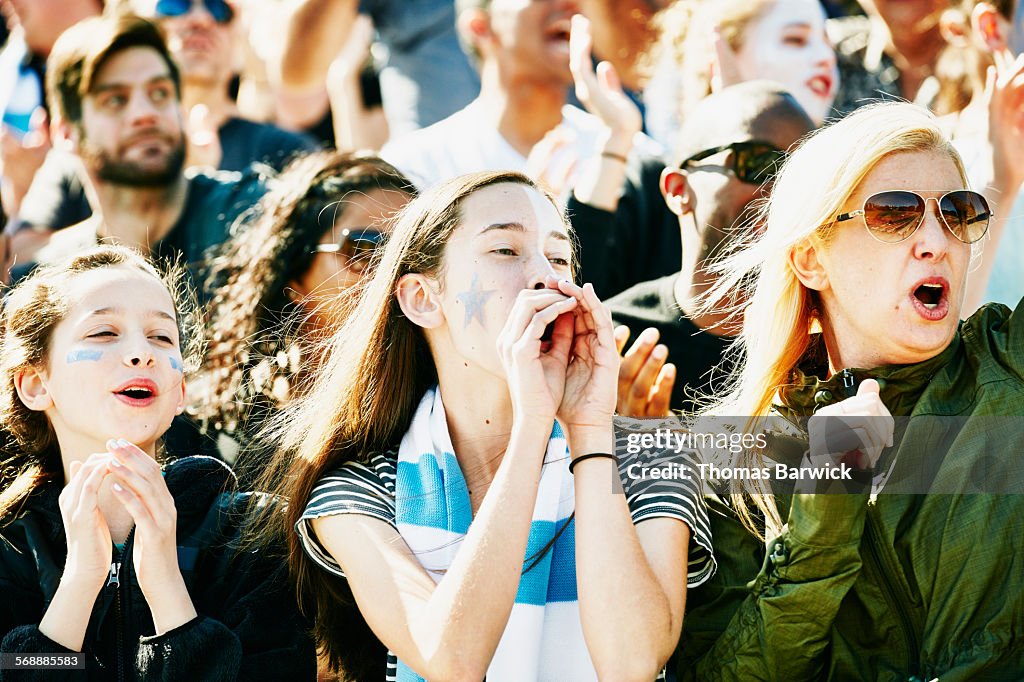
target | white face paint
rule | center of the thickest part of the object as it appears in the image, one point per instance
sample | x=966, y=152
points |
x=788, y=44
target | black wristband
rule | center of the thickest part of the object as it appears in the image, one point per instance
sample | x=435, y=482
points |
x=588, y=456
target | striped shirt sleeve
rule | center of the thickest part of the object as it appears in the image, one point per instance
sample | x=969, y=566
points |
x=675, y=493
x=353, y=488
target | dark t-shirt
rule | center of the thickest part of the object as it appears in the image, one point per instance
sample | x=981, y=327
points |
x=638, y=242
x=56, y=198
x=697, y=355
x=212, y=204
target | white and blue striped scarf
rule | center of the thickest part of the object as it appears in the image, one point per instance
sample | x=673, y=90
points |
x=543, y=639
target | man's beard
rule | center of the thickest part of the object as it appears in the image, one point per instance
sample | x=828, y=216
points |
x=133, y=174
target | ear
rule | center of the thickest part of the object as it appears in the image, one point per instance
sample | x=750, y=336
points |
x=474, y=25
x=805, y=260
x=954, y=28
x=419, y=302
x=181, y=398
x=677, y=191
x=988, y=24
x=31, y=387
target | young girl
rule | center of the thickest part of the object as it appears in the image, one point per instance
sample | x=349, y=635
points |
x=105, y=552
x=453, y=462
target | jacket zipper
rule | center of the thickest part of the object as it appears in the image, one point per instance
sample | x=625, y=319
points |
x=114, y=580
x=893, y=594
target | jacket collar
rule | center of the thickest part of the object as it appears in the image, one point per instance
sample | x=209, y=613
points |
x=901, y=385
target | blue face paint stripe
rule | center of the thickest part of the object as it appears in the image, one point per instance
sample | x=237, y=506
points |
x=176, y=364
x=82, y=355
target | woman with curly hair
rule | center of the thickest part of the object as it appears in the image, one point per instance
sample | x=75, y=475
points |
x=279, y=282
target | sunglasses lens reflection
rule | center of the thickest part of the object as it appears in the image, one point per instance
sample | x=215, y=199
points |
x=758, y=163
x=220, y=10
x=893, y=216
x=966, y=213
x=359, y=247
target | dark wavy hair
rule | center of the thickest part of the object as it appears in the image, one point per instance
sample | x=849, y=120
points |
x=256, y=349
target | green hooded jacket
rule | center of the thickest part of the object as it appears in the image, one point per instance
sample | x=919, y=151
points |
x=894, y=586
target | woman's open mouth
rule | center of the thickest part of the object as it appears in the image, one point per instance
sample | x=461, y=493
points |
x=930, y=298
x=821, y=86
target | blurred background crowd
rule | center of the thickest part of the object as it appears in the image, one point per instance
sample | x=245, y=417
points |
x=266, y=143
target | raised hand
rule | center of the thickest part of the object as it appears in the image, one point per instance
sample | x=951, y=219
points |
x=21, y=157
x=139, y=485
x=600, y=90
x=1004, y=92
x=853, y=431
x=534, y=347
x=88, y=537
x=645, y=379
x=725, y=69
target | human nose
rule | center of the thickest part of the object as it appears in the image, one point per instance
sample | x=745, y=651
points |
x=568, y=7
x=138, y=355
x=542, y=275
x=931, y=240
x=141, y=109
x=824, y=54
x=199, y=12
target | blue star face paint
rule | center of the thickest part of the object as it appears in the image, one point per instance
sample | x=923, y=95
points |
x=176, y=363
x=474, y=301
x=83, y=356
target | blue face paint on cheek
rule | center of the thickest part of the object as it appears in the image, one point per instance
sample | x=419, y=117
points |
x=84, y=355
x=176, y=364
x=474, y=301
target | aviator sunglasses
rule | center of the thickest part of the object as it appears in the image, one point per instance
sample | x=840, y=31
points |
x=220, y=10
x=357, y=244
x=753, y=162
x=893, y=216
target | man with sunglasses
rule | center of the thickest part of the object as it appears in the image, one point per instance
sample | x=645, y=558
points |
x=732, y=144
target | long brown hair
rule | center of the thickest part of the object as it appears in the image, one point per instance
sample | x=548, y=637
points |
x=362, y=402
x=32, y=310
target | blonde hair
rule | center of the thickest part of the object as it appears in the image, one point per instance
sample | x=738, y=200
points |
x=810, y=190
x=688, y=30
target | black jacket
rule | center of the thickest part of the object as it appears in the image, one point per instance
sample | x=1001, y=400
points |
x=248, y=625
x=639, y=242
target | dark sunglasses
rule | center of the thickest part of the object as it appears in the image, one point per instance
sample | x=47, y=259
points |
x=357, y=244
x=893, y=216
x=221, y=11
x=753, y=162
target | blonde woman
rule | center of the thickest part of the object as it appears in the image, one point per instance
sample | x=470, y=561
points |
x=710, y=44
x=854, y=290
